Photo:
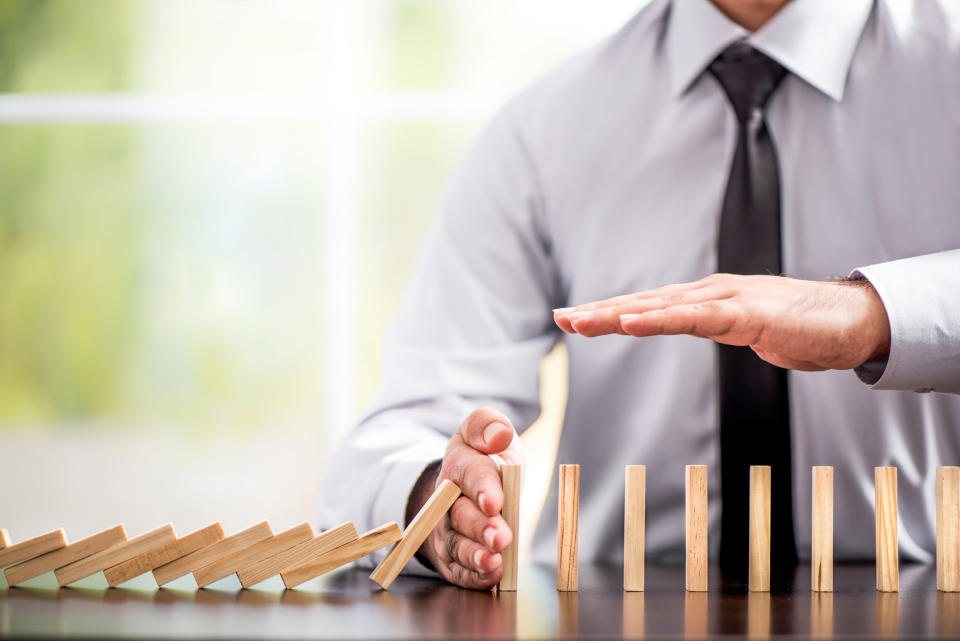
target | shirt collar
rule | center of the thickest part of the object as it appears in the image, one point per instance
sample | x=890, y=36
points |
x=814, y=39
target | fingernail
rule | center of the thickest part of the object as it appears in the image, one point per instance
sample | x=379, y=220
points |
x=491, y=430
x=562, y=310
x=480, y=497
x=580, y=315
x=490, y=536
x=478, y=558
x=628, y=318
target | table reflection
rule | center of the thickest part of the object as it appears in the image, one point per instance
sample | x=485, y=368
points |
x=821, y=615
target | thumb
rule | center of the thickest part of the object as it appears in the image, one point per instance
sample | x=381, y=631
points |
x=487, y=431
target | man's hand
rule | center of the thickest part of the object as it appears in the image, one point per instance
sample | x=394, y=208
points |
x=796, y=324
x=465, y=547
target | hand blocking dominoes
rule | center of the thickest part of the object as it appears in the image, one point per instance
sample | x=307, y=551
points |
x=298, y=554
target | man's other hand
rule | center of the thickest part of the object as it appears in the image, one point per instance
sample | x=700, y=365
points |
x=465, y=547
x=796, y=324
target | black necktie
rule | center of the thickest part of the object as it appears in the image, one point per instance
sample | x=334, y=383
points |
x=754, y=403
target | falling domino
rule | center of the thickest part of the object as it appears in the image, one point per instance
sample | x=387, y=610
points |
x=568, y=523
x=416, y=533
x=163, y=554
x=888, y=570
x=66, y=555
x=512, y=479
x=4, y=538
x=114, y=555
x=34, y=547
x=231, y=563
x=696, y=527
x=948, y=529
x=821, y=536
x=299, y=554
x=634, y=508
x=759, y=576
x=207, y=555
x=370, y=542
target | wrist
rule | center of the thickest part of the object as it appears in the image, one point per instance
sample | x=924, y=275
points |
x=422, y=489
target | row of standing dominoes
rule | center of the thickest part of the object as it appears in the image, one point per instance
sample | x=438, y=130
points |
x=887, y=560
x=254, y=554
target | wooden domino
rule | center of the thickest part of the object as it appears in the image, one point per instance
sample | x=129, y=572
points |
x=66, y=555
x=821, y=535
x=4, y=538
x=948, y=529
x=416, y=533
x=696, y=528
x=163, y=554
x=298, y=554
x=512, y=479
x=888, y=564
x=207, y=555
x=568, y=523
x=634, y=513
x=230, y=563
x=114, y=555
x=370, y=542
x=759, y=563
x=34, y=547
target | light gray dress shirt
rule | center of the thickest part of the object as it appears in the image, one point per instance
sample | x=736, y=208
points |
x=607, y=177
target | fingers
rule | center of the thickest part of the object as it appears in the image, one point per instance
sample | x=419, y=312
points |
x=471, y=555
x=607, y=320
x=472, y=579
x=487, y=431
x=459, y=564
x=600, y=317
x=476, y=475
x=467, y=519
x=710, y=319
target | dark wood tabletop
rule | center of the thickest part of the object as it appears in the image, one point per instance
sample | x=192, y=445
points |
x=347, y=605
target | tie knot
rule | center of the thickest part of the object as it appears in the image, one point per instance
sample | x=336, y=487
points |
x=748, y=77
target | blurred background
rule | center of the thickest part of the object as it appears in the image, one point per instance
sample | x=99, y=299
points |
x=209, y=210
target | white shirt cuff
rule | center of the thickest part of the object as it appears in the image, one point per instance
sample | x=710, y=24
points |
x=922, y=301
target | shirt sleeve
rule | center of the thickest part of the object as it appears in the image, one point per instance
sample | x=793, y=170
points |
x=922, y=298
x=470, y=332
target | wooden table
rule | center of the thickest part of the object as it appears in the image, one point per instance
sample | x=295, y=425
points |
x=346, y=604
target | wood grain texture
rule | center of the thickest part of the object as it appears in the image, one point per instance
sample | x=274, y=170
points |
x=231, y=563
x=512, y=476
x=163, y=554
x=634, y=514
x=34, y=547
x=204, y=556
x=948, y=529
x=66, y=555
x=4, y=538
x=759, y=564
x=370, y=542
x=821, y=535
x=298, y=554
x=568, y=524
x=115, y=555
x=416, y=533
x=696, y=528
x=888, y=562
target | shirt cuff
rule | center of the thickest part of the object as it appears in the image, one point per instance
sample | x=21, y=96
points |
x=920, y=300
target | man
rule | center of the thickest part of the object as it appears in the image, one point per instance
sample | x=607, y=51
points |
x=811, y=139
